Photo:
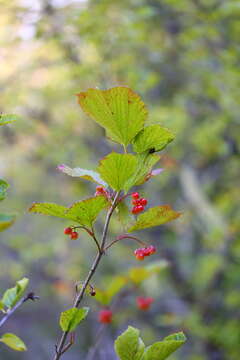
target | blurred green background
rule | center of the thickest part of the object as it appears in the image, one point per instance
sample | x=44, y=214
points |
x=183, y=58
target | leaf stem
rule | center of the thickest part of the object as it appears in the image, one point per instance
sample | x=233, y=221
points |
x=61, y=348
x=29, y=296
x=122, y=237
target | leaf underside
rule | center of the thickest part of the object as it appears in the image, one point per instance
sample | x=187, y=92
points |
x=82, y=173
x=13, y=341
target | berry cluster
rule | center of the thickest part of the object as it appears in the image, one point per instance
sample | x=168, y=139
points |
x=105, y=316
x=144, y=303
x=138, y=203
x=73, y=234
x=100, y=190
x=142, y=252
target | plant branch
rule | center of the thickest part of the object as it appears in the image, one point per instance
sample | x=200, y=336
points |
x=29, y=296
x=122, y=237
x=61, y=348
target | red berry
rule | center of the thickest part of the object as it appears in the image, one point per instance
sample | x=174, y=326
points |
x=134, y=210
x=68, y=231
x=139, y=253
x=105, y=316
x=152, y=249
x=74, y=235
x=143, y=202
x=144, y=303
x=135, y=202
x=135, y=195
x=139, y=208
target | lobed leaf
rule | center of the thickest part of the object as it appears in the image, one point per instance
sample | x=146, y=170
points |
x=155, y=216
x=162, y=349
x=7, y=118
x=119, y=110
x=86, y=211
x=49, y=209
x=145, y=162
x=116, y=169
x=6, y=221
x=13, y=295
x=71, y=318
x=3, y=188
x=153, y=137
x=13, y=341
x=129, y=346
x=83, y=212
x=82, y=173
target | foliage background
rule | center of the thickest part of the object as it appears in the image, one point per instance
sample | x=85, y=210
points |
x=183, y=59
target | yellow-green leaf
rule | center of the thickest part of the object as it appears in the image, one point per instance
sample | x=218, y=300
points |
x=13, y=295
x=116, y=169
x=13, y=341
x=71, y=318
x=7, y=118
x=129, y=345
x=49, y=209
x=162, y=349
x=3, y=188
x=140, y=273
x=6, y=221
x=155, y=216
x=119, y=110
x=113, y=288
x=86, y=211
x=153, y=137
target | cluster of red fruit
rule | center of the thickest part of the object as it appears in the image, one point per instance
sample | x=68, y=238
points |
x=144, y=303
x=100, y=190
x=73, y=234
x=142, y=252
x=138, y=203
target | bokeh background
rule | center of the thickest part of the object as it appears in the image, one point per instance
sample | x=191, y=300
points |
x=183, y=58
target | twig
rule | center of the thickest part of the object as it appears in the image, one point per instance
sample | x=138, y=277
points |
x=60, y=348
x=30, y=296
x=122, y=237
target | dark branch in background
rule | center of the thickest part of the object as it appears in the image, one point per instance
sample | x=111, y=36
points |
x=62, y=347
x=30, y=296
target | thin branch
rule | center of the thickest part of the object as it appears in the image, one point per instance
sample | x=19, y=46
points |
x=60, y=348
x=122, y=237
x=29, y=296
x=90, y=233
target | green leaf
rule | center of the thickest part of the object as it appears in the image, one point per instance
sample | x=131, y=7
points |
x=6, y=220
x=155, y=216
x=49, y=209
x=116, y=284
x=8, y=118
x=153, y=137
x=86, y=211
x=13, y=295
x=82, y=173
x=116, y=169
x=83, y=212
x=145, y=162
x=119, y=110
x=140, y=273
x=162, y=349
x=129, y=346
x=13, y=341
x=71, y=318
x=3, y=188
